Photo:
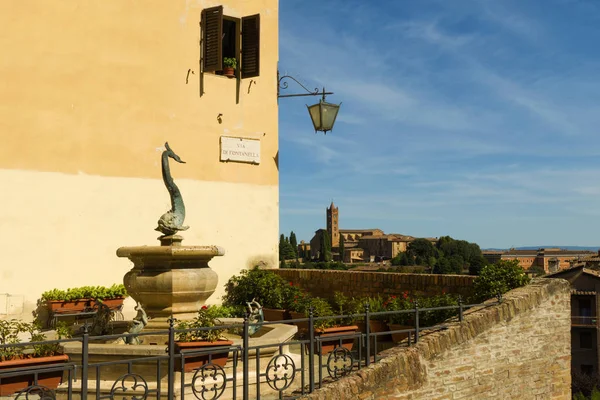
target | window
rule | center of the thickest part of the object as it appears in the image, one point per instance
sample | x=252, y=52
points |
x=224, y=36
x=587, y=369
x=585, y=307
x=585, y=340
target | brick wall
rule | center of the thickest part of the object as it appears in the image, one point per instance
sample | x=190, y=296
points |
x=520, y=349
x=325, y=283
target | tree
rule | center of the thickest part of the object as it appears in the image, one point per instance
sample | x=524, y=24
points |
x=294, y=244
x=499, y=278
x=286, y=252
x=325, y=247
x=342, y=248
x=421, y=250
x=281, y=246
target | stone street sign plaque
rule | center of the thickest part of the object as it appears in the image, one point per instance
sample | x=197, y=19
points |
x=240, y=149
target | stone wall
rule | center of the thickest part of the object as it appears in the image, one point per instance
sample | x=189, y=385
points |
x=325, y=283
x=520, y=349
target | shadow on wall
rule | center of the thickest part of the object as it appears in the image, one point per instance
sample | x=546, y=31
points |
x=262, y=261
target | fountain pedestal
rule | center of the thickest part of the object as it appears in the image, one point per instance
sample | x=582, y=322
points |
x=170, y=279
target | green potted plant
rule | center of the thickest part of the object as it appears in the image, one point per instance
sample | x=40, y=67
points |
x=434, y=317
x=33, y=356
x=400, y=321
x=323, y=328
x=196, y=339
x=229, y=66
x=82, y=298
x=267, y=288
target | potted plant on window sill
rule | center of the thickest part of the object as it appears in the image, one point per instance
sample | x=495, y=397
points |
x=229, y=67
x=21, y=358
x=211, y=342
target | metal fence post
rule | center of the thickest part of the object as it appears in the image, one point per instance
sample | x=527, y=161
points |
x=246, y=358
x=460, y=308
x=171, y=349
x=416, y=321
x=84, y=361
x=368, y=334
x=311, y=350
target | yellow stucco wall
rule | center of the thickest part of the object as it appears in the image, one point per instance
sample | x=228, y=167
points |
x=90, y=91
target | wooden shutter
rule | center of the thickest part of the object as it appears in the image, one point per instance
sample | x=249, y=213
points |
x=250, y=46
x=212, y=35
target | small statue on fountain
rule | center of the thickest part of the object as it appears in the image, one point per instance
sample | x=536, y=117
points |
x=255, y=316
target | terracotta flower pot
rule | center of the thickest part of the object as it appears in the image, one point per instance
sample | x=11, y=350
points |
x=229, y=72
x=14, y=384
x=327, y=346
x=376, y=326
x=297, y=315
x=192, y=362
x=399, y=337
x=115, y=303
x=274, y=314
x=73, y=306
x=61, y=306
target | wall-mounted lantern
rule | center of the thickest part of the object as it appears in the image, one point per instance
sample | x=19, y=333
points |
x=322, y=114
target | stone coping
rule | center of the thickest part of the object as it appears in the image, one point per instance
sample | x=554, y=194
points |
x=410, y=361
x=279, y=334
x=177, y=252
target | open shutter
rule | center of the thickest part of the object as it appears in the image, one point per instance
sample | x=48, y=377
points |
x=250, y=46
x=212, y=31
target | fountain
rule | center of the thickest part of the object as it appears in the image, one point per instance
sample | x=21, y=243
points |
x=167, y=281
x=170, y=280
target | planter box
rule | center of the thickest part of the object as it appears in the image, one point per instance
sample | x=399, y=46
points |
x=327, y=346
x=274, y=314
x=399, y=337
x=80, y=305
x=60, y=306
x=14, y=384
x=376, y=326
x=193, y=362
x=297, y=315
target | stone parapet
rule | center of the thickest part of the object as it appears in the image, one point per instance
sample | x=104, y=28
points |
x=519, y=349
x=324, y=283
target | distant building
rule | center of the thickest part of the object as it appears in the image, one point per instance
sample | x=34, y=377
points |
x=585, y=284
x=550, y=259
x=359, y=244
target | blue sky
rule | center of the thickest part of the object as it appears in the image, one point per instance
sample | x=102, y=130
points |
x=474, y=119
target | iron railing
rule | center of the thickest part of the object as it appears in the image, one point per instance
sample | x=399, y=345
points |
x=285, y=370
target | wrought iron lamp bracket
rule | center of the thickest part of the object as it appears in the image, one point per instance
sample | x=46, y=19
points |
x=281, y=84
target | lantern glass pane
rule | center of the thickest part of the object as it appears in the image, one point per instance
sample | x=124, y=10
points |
x=329, y=112
x=315, y=115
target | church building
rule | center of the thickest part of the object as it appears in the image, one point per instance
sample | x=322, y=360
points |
x=360, y=245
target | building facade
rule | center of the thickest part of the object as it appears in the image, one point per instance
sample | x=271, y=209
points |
x=91, y=92
x=550, y=259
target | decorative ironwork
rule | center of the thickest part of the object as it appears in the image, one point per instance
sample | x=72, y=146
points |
x=213, y=389
x=281, y=369
x=282, y=84
x=339, y=362
x=38, y=392
x=121, y=386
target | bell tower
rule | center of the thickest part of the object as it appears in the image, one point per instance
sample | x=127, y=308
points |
x=333, y=225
